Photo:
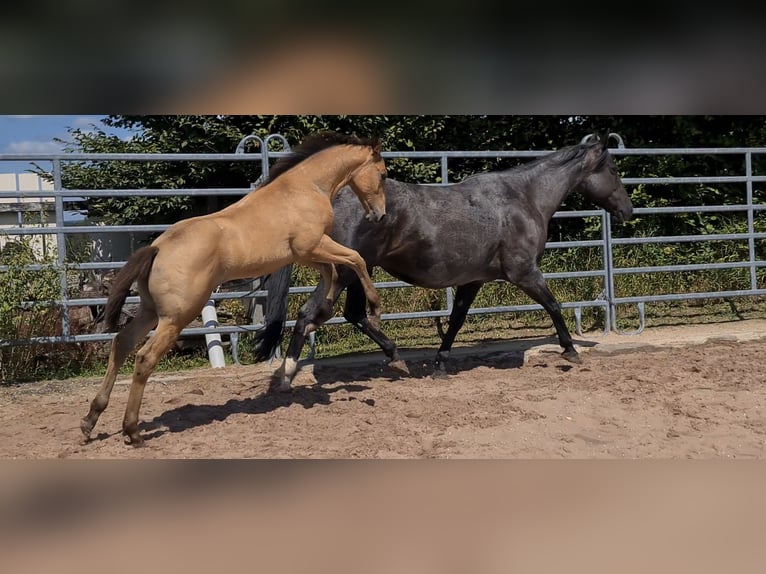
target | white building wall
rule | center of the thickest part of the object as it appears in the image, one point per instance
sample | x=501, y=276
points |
x=27, y=211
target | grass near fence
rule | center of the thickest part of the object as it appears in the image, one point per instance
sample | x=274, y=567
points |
x=335, y=340
x=62, y=361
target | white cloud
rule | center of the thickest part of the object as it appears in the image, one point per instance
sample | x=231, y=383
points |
x=85, y=122
x=33, y=147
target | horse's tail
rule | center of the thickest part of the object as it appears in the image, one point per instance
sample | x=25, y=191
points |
x=268, y=338
x=138, y=267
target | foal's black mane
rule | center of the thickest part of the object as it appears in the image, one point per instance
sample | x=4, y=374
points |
x=312, y=144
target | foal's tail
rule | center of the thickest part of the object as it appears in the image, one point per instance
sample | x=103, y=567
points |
x=267, y=339
x=138, y=267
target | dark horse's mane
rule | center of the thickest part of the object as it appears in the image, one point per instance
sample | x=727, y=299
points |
x=567, y=154
x=557, y=158
x=312, y=144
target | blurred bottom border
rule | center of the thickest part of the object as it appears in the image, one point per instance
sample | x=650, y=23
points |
x=383, y=516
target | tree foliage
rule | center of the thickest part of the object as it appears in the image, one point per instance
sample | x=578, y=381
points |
x=221, y=134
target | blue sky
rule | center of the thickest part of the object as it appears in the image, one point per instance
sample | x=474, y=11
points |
x=35, y=134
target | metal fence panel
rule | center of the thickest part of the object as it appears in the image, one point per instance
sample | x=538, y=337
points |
x=609, y=300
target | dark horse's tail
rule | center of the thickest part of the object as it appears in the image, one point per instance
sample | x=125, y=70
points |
x=138, y=267
x=267, y=339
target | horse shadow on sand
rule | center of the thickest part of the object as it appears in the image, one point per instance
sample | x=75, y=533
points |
x=265, y=400
x=501, y=355
x=348, y=374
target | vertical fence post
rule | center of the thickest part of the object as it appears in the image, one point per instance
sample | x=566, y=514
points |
x=61, y=247
x=445, y=181
x=253, y=309
x=265, y=171
x=610, y=309
x=212, y=340
x=750, y=219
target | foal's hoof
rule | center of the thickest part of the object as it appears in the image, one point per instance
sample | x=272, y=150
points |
x=86, y=427
x=399, y=366
x=572, y=357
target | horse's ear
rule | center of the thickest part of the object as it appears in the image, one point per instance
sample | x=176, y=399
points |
x=377, y=146
x=604, y=139
x=595, y=150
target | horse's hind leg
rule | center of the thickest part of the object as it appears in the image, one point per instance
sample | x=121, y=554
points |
x=122, y=344
x=354, y=312
x=533, y=284
x=464, y=296
x=146, y=359
x=314, y=313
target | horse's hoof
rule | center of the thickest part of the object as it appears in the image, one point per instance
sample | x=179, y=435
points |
x=399, y=366
x=572, y=357
x=439, y=373
x=86, y=427
x=278, y=384
x=134, y=440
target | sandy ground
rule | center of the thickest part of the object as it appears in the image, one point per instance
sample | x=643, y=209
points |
x=676, y=392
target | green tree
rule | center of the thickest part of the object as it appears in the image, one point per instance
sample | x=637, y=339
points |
x=221, y=134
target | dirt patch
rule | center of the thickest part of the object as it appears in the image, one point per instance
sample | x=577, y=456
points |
x=635, y=400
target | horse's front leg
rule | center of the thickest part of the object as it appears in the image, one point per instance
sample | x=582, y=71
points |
x=329, y=251
x=464, y=296
x=314, y=313
x=354, y=314
x=534, y=285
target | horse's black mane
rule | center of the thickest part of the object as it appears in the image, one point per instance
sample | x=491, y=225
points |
x=567, y=154
x=312, y=144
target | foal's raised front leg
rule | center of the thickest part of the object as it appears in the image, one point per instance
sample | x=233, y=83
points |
x=329, y=251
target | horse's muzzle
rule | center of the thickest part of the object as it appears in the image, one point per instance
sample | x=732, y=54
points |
x=625, y=214
x=374, y=215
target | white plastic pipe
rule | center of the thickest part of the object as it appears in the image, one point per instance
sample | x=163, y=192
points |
x=213, y=340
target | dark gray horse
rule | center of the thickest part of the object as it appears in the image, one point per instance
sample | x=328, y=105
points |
x=490, y=226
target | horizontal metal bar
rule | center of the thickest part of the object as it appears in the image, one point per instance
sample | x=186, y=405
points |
x=565, y=244
x=83, y=229
x=686, y=238
x=238, y=157
x=684, y=296
x=689, y=151
x=473, y=311
x=77, y=195
x=686, y=179
x=698, y=209
x=95, y=337
x=688, y=267
x=201, y=157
